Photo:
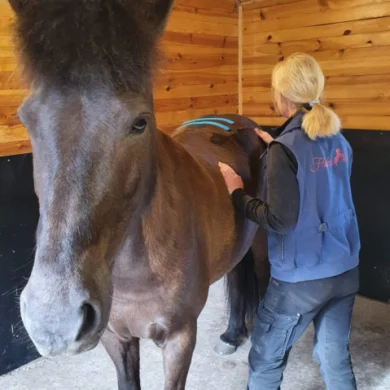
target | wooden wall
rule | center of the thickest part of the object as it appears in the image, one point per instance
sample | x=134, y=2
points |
x=349, y=38
x=199, y=72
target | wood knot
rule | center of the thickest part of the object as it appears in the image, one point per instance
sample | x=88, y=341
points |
x=261, y=15
x=269, y=37
x=347, y=32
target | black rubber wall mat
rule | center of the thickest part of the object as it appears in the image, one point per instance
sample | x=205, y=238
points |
x=18, y=219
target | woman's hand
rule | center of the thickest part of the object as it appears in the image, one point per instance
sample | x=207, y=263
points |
x=267, y=138
x=232, y=180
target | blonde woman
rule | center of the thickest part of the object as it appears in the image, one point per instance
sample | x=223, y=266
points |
x=313, y=236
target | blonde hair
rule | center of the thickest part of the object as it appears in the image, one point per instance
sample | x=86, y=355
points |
x=300, y=80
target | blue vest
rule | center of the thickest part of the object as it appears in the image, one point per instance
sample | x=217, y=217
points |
x=325, y=242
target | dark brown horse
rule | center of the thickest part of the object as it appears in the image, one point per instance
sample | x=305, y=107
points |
x=134, y=225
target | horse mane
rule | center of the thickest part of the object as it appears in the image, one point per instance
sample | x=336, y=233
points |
x=78, y=43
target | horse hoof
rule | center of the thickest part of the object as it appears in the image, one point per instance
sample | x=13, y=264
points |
x=223, y=348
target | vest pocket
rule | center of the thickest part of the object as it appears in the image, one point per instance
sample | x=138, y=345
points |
x=310, y=248
x=341, y=237
x=282, y=250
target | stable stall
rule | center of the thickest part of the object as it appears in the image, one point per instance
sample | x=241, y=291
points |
x=217, y=58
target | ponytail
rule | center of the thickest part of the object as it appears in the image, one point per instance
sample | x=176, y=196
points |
x=320, y=121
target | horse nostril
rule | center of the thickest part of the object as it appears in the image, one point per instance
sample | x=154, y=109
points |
x=90, y=320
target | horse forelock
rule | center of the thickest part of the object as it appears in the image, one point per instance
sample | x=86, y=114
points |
x=77, y=43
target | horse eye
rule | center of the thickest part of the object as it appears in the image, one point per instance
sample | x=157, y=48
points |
x=139, y=125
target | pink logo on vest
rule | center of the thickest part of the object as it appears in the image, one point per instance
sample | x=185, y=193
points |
x=339, y=156
x=321, y=162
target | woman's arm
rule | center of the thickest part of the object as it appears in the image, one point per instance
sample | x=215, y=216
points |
x=280, y=213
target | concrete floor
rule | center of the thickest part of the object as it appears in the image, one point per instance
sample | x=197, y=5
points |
x=370, y=350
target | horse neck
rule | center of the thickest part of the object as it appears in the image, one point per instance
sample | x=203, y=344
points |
x=154, y=224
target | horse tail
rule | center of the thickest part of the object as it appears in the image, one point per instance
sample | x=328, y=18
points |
x=243, y=297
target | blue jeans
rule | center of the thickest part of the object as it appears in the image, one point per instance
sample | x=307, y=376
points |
x=283, y=316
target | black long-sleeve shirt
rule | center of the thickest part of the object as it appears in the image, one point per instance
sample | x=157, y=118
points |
x=280, y=212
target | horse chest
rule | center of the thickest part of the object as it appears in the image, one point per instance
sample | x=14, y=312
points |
x=139, y=318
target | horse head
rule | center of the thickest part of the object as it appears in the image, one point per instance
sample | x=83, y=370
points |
x=90, y=118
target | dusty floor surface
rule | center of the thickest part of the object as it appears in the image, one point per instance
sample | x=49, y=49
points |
x=370, y=349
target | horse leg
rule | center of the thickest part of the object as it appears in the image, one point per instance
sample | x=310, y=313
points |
x=125, y=355
x=243, y=299
x=177, y=354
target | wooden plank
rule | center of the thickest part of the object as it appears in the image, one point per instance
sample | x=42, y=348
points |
x=343, y=81
x=189, y=62
x=369, y=54
x=8, y=116
x=183, y=91
x=290, y=10
x=193, y=15
x=331, y=30
x=254, y=96
x=368, y=40
x=205, y=11
x=253, y=80
x=12, y=98
x=256, y=4
x=189, y=23
x=240, y=60
x=363, y=107
x=227, y=69
x=8, y=64
x=224, y=5
x=262, y=109
x=14, y=140
x=175, y=49
x=356, y=91
x=9, y=80
x=366, y=122
x=212, y=40
x=174, y=79
x=266, y=120
x=318, y=18
x=180, y=104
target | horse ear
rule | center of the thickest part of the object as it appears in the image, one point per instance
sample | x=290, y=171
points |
x=157, y=12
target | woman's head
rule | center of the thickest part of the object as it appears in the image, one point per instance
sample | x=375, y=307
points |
x=298, y=83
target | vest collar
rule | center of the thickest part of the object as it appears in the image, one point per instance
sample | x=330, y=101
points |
x=292, y=123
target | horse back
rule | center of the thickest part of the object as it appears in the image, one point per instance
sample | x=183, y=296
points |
x=239, y=146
